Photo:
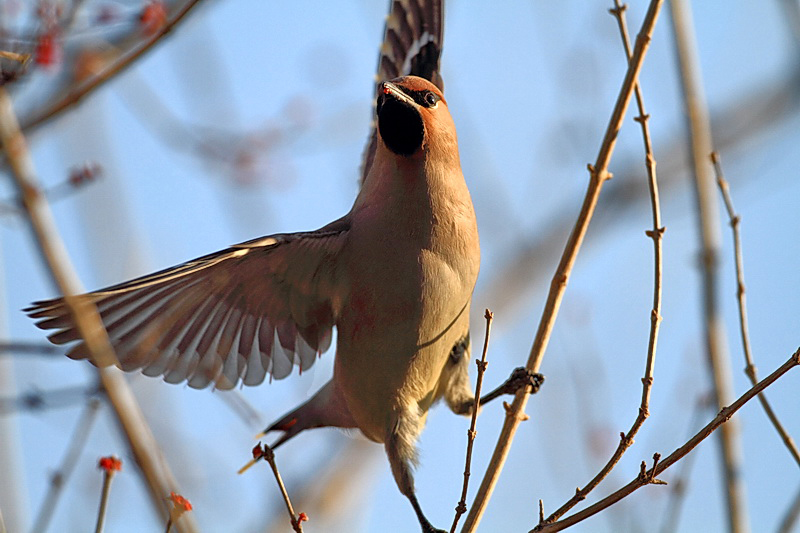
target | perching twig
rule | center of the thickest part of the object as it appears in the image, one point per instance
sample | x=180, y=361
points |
x=461, y=508
x=648, y=476
x=626, y=439
x=699, y=135
x=598, y=176
x=750, y=369
x=265, y=452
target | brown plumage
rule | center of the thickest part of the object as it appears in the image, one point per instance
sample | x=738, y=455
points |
x=395, y=277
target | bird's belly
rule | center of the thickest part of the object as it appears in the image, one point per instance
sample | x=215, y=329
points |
x=394, y=338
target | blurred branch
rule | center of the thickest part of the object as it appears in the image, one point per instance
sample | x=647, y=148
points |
x=232, y=149
x=461, y=508
x=679, y=484
x=626, y=439
x=59, y=478
x=25, y=347
x=598, y=176
x=791, y=11
x=750, y=369
x=13, y=56
x=699, y=130
x=649, y=476
x=237, y=403
x=77, y=92
x=763, y=108
x=160, y=480
x=56, y=398
x=78, y=177
x=790, y=519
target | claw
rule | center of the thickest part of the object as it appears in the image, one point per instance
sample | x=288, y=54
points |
x=522, y=377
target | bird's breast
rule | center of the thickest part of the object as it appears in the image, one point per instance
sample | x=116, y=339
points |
x=410, y=275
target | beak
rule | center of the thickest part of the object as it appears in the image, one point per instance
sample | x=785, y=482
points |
x=390, y=89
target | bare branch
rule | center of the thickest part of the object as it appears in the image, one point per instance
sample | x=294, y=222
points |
x=265, y=452
x=750, y=369
x=461, y=508
x=626, y=439
x=598, y=176
x=59, y=478
x=648, y=476
x=24, y=347
x=145, y=449
x=38, y=400
x=78, y=93
x=699, y=129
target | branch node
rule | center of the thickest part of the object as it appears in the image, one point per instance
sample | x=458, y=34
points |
x=618, y=10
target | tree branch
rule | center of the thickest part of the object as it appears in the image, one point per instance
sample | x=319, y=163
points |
x=598, y=176
x=647, y=477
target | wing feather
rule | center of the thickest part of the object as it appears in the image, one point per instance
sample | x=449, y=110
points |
x=257, y=308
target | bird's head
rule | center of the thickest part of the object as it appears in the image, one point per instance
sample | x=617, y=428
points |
x=413, y=118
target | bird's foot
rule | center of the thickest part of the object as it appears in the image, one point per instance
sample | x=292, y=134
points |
x=522, y=377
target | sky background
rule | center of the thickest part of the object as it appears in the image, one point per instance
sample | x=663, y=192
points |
x=531, y=86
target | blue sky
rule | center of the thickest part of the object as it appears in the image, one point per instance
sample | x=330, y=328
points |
x=531, y=88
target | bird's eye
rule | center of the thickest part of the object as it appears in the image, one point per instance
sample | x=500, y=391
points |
x=430, y=99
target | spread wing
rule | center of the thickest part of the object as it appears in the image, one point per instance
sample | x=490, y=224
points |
x=412, y=45
x=256, y=308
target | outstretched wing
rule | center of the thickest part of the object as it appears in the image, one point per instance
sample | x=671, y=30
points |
x=256, y=308
x=412, y=45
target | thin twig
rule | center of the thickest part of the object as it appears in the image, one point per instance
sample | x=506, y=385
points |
x=266, y=452
x=699, y=130
x=598, y=176
x=60, y=477
x=77, y=94
x=461, y=508
x=145, y=449
x=110, y=466
x=647, y=477
x=750, y=369
x=626, y=439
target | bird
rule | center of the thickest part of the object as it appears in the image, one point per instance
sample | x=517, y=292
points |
x=394, y=276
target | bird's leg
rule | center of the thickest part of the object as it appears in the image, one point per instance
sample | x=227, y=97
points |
x=402, y=452
x=458, y=391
